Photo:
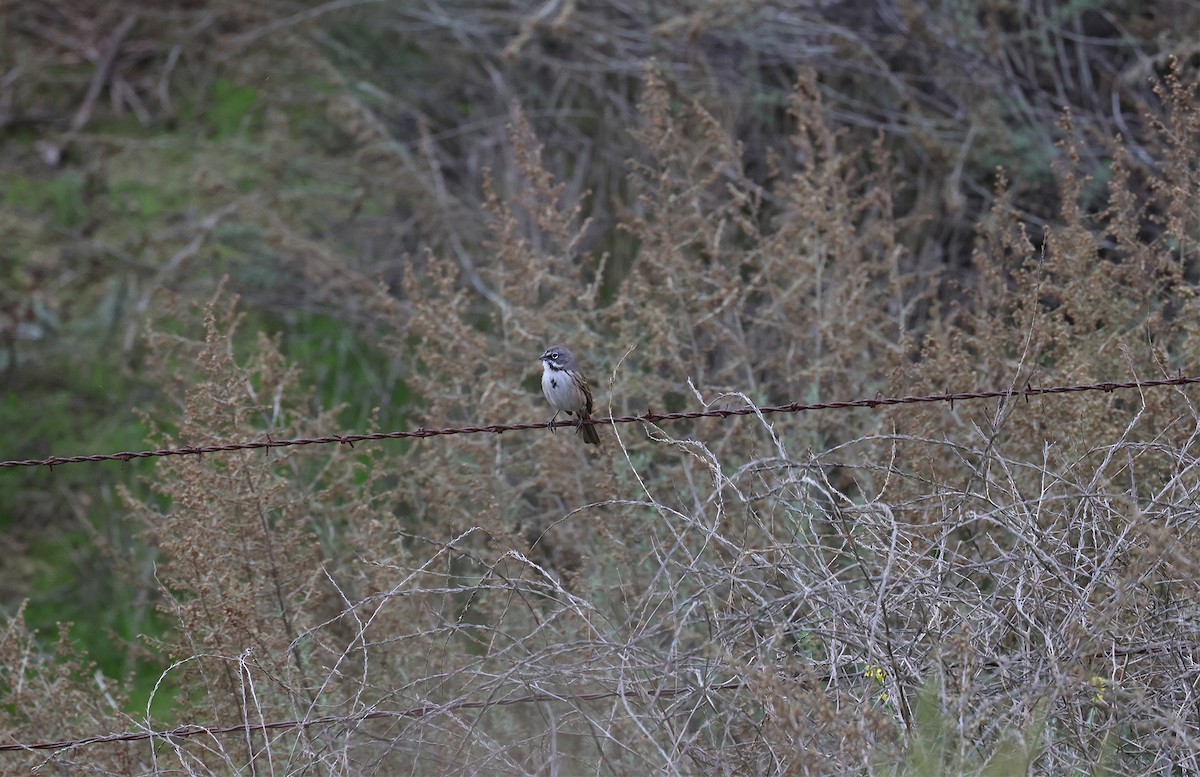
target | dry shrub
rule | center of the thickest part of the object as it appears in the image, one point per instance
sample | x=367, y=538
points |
x=1007, y=552
x=50, y=692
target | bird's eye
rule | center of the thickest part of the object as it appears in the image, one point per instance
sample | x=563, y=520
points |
x=553, y=355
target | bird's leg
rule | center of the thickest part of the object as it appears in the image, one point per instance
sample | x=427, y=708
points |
x=553, y=429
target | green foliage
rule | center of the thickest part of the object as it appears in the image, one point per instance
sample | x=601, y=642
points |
x=346, y=369
x=231, y=106
x=68, y=522
x=137, y=199
x=937, y=750
x=61, y=195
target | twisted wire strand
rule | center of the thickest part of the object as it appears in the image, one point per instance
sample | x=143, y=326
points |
x=648, y=417
x=419, y=711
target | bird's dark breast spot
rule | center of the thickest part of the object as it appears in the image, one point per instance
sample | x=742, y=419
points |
x=553, y=383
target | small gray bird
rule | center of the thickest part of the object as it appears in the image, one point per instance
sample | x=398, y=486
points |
x=567, y=390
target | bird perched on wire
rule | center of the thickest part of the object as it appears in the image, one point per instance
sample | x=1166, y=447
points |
x=567, y=390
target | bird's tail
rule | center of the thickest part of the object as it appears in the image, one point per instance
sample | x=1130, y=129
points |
x=591, y=435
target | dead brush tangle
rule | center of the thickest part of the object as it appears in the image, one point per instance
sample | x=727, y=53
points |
x=1000, y=588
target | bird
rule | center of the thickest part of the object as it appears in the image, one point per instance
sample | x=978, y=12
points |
x=567, y=390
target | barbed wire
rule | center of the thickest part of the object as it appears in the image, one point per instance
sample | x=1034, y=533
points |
x=648, y=417
x=420, y=711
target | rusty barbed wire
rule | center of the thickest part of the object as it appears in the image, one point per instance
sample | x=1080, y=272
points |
x=420, y=711
x=648, y=417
